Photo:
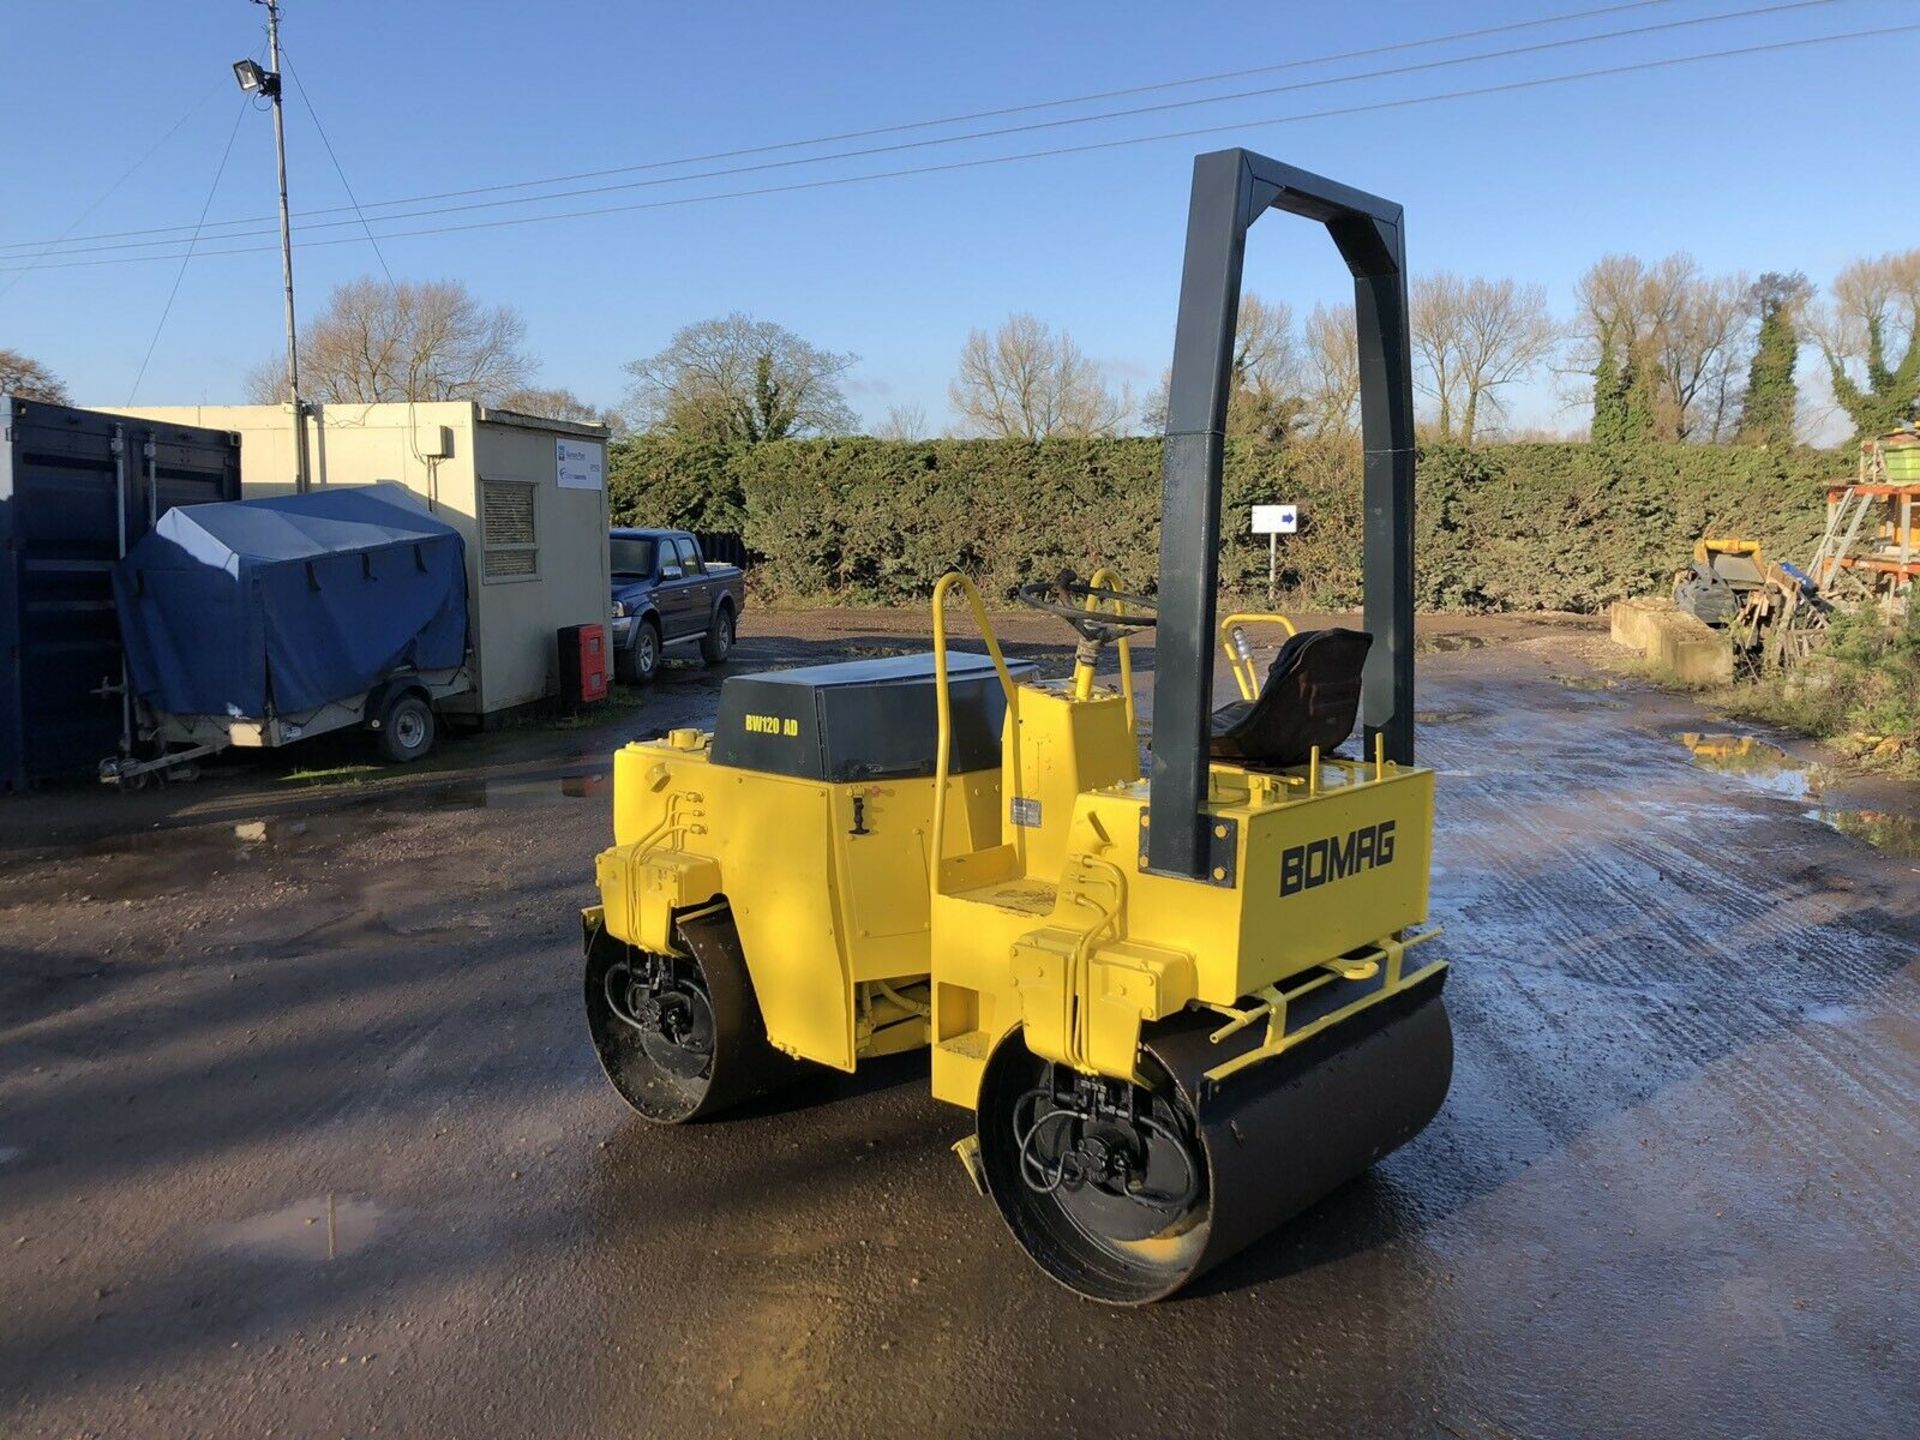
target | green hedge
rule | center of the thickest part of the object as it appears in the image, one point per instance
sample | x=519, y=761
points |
x=1501, y=527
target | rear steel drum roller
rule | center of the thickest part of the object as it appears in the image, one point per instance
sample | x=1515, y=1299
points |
x=1124, y=1193
x=680, y=1036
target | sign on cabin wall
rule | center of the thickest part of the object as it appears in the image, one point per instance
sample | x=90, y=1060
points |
x=580, y=464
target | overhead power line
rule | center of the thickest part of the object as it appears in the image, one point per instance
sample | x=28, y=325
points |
x=1029, y=127
x=219, y=171
x=1028, y=108
x=901, y=128
x=105, y=195
x=1090, y=147
x=338, y=169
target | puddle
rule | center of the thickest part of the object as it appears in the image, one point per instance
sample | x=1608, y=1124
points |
x=302, y=1230
x=1831, y=1015
x=1895, y=834
x=1444, y=644
x=9, y=1154
x=1766, y=766
x=1758, y=762
x=520, y=794
x=1586, y=682
x=297, y=832
x=152, y=865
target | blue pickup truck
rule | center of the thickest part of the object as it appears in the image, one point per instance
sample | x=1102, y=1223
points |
x=665, y=592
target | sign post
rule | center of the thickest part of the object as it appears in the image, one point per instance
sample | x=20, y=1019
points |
x=1273, y=521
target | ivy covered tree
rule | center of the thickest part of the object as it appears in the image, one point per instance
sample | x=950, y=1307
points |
x=1625, y=306
x=1870, y=336
x=1773, y=397
x=1610, y=424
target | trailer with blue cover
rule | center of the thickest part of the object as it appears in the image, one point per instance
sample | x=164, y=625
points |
x=261, y=622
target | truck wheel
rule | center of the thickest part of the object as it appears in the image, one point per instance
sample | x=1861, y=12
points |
x=406, y=730
x=643, y=659
x=717, y=643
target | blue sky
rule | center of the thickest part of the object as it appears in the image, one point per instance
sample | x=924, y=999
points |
x=1780, y=160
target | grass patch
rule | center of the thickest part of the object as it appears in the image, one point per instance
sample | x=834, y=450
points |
x=1861, y=691
x=322, y=775
x=619, y=698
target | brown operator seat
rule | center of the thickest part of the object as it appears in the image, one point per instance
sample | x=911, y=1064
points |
x=1311, y=697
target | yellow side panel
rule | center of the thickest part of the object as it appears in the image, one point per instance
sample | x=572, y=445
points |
x=1065, y=747
x=818, y=907
x=774, y=839
x=1332, y=874
x=880, y=833
x=883, y=872
x=1303, y=891
x=643, y=890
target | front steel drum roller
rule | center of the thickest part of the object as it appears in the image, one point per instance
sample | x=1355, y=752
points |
x=1103, y=1183
x=680, y=1036
x=1126, y=1192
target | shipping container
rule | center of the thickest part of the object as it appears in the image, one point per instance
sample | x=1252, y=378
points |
x=77, y=487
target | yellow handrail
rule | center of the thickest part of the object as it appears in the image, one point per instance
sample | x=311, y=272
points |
x=1242, y=663
x=944, y=704
x=1105, y=579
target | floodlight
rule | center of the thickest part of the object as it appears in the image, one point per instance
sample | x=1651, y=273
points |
x=252, y=78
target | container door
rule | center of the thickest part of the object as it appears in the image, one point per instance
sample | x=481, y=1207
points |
x=60, y=632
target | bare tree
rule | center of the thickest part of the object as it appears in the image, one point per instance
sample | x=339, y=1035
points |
x=1025, y=383
x=1702, y=351
x=904, y=422
x=1869, y=333
x=1624, y=299
x=741, y=379
x=26, y=377
x=382, y=342
x=1265, y=402
x=1269, y=371
x=1473, y=338
x=1331, y=365
x=557, y=404
x=1626, y=310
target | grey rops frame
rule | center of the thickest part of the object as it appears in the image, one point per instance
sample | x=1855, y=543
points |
x=1232, y=189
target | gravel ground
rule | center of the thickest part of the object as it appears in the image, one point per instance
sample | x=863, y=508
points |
x=300, y=1133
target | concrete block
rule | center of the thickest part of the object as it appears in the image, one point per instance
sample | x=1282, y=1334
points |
x=1695, y=653
x=1635, y=620
x=1682, y=644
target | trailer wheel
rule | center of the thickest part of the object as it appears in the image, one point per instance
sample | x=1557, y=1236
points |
x=406, y=729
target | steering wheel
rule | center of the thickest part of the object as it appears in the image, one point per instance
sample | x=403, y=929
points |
x=1058, y=596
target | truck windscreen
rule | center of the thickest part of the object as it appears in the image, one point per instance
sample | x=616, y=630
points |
x=632, y=557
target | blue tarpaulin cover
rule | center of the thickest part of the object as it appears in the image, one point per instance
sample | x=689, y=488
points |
x=288, y=603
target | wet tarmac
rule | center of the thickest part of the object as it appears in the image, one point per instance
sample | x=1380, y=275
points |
x=1671, y=1192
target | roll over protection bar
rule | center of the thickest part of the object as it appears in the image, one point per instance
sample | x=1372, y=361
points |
x=1232, y=189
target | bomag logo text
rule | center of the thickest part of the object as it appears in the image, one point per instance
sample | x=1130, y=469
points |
x=771, y=725
x=1305, y=867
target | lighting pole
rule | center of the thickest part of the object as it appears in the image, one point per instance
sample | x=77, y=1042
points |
x=254, y=80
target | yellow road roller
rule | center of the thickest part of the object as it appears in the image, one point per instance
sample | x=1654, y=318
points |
x=1182, y=1003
